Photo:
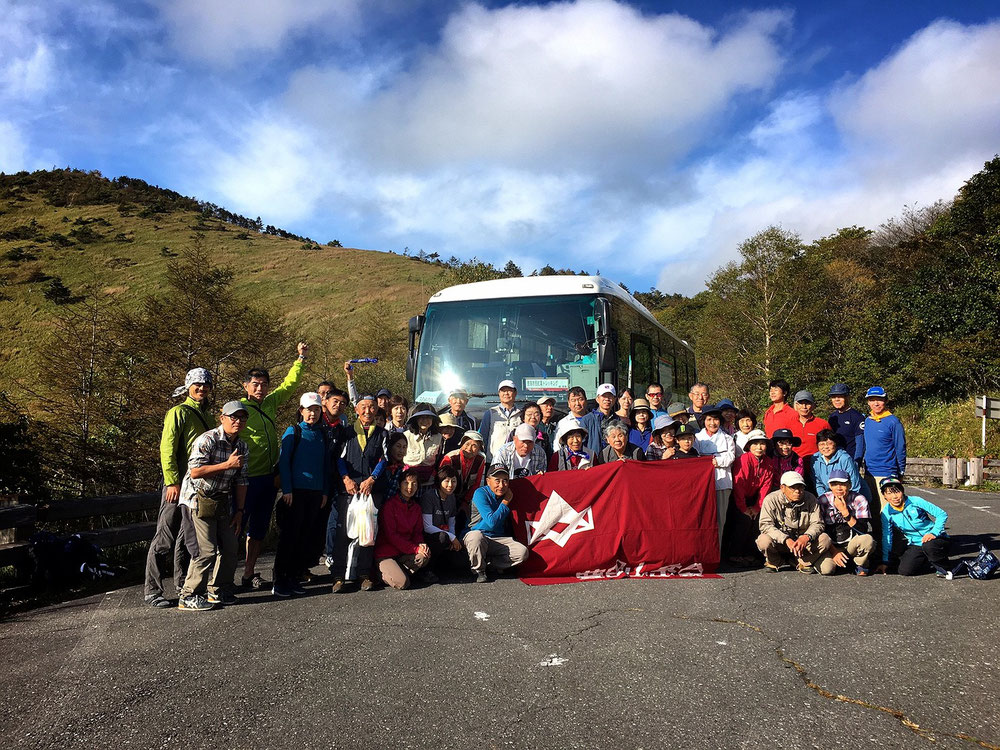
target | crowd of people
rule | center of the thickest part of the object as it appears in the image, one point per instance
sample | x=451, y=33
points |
x=817, y=495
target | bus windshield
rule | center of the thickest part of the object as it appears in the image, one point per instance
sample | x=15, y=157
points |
x=545, y=345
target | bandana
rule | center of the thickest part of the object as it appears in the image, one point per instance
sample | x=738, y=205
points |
x=197, y=375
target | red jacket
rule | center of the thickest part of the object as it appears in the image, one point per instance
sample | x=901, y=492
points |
x=807, y=434
x=785, y=419
x=400, y=528
x=752, y=480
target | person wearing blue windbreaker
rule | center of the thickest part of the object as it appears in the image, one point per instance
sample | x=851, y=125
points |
x=305, y=490
x=882, y=447
x=921, y=523
x=830, y=458
x=845, y=420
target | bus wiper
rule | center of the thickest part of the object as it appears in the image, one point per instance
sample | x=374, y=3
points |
x=587, y=347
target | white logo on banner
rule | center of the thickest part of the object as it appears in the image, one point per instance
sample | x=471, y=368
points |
x=557, y=512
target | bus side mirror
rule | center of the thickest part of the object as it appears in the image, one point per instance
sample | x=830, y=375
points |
x=416, y=325
x=607, y=348
x=607, y=353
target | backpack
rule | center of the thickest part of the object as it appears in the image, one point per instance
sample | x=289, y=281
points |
x=984, y=565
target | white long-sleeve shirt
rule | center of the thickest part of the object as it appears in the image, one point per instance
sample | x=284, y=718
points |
x=722, y=448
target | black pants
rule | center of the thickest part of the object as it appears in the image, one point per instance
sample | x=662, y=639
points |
x=445, y=560
x=739, y=538
x=918, y=558
x=296, y=531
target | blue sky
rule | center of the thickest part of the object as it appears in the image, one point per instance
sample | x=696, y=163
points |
x=645, y=139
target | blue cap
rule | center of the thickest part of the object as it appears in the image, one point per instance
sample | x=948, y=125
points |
x=876, y=391
x=839, y=475
x=839, y=389
x=725, y=404
x=383, y=392
x=711, y=409
x=890, y=482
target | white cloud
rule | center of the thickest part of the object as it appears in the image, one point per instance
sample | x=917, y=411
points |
x=275, y=172
x=531, y=86
x=13, y=150
x=224, y=31
x=934, y=100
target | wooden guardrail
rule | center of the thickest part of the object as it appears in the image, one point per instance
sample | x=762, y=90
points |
x=25, y=520
x=953, y=471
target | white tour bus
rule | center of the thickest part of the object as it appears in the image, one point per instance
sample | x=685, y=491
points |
x=547, y=334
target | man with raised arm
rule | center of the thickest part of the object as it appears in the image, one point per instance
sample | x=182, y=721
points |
x=261, y=435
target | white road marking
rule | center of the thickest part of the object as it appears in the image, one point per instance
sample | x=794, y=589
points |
x=553, y=661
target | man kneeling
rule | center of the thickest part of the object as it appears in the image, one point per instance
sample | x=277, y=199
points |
x=848, y=523
x=791, y=527
x=488, y=539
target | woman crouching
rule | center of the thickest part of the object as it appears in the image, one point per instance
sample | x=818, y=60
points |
x=400, y=550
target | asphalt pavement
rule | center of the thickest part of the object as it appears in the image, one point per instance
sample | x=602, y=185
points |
x=751, y=660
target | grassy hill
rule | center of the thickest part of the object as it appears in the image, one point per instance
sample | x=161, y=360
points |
x=118, y=237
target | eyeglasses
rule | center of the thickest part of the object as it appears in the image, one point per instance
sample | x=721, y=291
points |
x=236, y=417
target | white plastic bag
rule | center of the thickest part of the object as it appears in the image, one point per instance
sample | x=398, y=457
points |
x=362, y=520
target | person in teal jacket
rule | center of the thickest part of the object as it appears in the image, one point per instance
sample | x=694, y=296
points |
x=828, y=459
x=921, y=523
x=305, y=490
x=181, y=427
x=261, y=436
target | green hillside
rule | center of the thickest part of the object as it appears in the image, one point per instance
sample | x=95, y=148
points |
x=118, y=237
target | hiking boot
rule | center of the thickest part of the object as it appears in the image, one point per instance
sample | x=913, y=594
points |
x=281, y=590
x=296, y=589
x=221, y=598
x=338, y=586
x=254, y=582
x=194, y=604
x=481, y=578
x=859, y=571
x=157, y=601
x=367, y=584
x=806, y=568
x=771, y=568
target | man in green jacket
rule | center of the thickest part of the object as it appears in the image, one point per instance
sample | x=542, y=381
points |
x=181, y=427
x=261, y=436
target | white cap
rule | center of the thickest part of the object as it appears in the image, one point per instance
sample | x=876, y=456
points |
x=545, y=399
x=506, y=384
x=525, y=432
x=792, y=479
x=310, y=399
x=756, y=435
x=606, y=388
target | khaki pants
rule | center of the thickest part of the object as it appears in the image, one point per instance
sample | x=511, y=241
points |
x=858, y=548
x=499, y=551
x=396, y=571
x=779, y=554
x=212, y=544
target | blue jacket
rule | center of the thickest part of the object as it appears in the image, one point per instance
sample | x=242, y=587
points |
x=311, y=469
x=848, y=425
x=640, y=438
x=821, y=471
x=488, y=513
x=914, y=521
x=882, y=445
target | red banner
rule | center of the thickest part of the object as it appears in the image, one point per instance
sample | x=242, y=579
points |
x=632, y=519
